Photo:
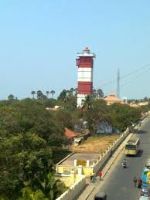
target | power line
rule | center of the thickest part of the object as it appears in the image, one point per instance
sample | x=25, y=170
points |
x=119, y=79
x=118, y=83
x=137, y=76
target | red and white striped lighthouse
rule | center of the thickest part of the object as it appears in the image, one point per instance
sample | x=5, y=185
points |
x=84, y=62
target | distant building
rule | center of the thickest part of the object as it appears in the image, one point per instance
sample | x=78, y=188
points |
x=55, y=108
x=112, y=98
x=70, y=135
x=139, y=104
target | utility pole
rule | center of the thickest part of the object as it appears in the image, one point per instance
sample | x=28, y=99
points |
x=118, y=83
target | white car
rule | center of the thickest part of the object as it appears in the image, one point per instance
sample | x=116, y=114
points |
x=145, y=194
x=147, y=165
x=144, y=198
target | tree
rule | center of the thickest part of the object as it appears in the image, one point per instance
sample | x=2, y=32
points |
x=72, y=91
x=24, y=159
x=49, y=189
x=47, y=93
x=39, y=94
x=33, y=93
x=100, y=93
x=52, y=93
x=11, y=97
x=62, y=95
x=87, y=103
x=94, y=112
x=29, y=194
x=94, y=93
x=122, y=115
x=25, y=148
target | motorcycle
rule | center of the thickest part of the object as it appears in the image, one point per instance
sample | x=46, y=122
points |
x=124, y=164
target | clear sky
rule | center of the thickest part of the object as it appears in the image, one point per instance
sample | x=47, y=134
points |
x=39, y=40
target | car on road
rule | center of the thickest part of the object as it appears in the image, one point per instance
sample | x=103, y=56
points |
x=144, y=194
x=147, y=164
x=144, y=198
x=100, y=196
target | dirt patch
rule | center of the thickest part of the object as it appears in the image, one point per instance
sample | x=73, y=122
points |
x=95, y=144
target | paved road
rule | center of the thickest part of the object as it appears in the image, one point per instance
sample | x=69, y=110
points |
x=118, y=183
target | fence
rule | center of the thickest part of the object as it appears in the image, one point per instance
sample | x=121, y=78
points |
x=74, y=191
x=108, y=153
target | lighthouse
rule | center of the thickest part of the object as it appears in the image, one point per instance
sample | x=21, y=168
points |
x=84, y=62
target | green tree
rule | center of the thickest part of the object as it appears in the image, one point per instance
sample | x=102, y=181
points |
x=47, y=93
x=94, y=112
x=39, y=94
x=29, y=194
x=33, y=94
x=25, y=154
x=49, y=189
x=100, y=93
x=87, y=103
x=24, y=160
x=11, y=97
x=123, y=115
x=62, y=95
x=52, y=93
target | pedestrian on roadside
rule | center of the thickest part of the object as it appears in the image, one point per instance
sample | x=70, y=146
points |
x=139, y=182
x=100, y=174
x=91, y=177
x=135, y=181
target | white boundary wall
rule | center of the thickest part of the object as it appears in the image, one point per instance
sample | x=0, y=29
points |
x=108, y=153
x=74, y=191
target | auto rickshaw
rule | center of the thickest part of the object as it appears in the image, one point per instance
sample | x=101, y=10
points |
x=100, y=196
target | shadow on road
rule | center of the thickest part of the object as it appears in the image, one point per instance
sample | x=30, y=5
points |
x=141, y=131
x=140, y=153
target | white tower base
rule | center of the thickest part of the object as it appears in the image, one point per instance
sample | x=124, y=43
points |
x=80, y=99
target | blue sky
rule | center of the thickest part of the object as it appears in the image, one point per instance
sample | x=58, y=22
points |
x=39, y=40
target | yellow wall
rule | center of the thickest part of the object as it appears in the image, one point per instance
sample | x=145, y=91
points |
x=64, y=169
x=87, y=171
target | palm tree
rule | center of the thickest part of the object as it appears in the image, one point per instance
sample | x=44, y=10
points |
x=94, y=93
x=11, y=97
x=100, y=93
x=33, y=93
x=52, y=93
x=87, y=102
x=29, y=194
x=47, y=93
x=51, y=187
x=72, y=91
x=76, y=91
x=39, y=94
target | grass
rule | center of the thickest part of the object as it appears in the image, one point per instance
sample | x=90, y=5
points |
x=95, y=144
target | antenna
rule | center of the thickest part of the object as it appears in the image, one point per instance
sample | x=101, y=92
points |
x=118, y=83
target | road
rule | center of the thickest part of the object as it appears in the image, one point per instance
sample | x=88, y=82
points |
x=118, y=183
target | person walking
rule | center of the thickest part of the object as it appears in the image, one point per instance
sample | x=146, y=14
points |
x=100, y=174
x=139, y=182
x=135, y=181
